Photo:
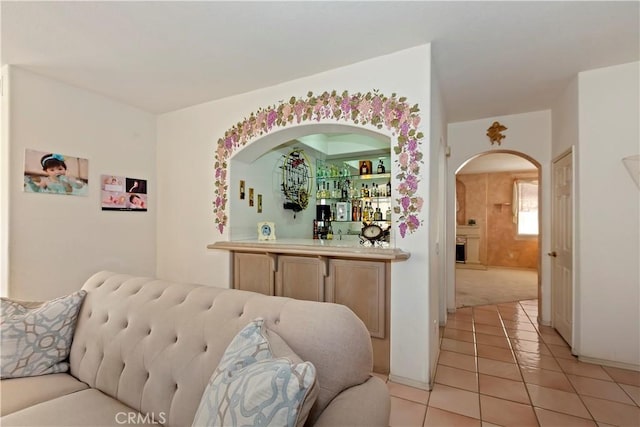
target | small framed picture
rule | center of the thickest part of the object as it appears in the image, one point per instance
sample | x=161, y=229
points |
x=251, y=197
x=266, y=230
x=242, y=189
x=259, y=203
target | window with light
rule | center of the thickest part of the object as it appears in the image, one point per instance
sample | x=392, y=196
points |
x=525, y=206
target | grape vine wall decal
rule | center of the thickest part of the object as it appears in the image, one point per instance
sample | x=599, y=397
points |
x=371, y=108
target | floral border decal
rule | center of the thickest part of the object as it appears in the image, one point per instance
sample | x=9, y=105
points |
x=371, y=108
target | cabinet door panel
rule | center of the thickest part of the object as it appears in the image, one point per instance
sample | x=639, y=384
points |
x=300, y=278
x=253, y=272
x=360, y=285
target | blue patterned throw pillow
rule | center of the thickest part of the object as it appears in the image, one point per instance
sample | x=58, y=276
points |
x=36, y=336
x=251, y=388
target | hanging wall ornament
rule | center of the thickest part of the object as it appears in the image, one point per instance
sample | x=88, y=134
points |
x=494, y=133
x=296, y=180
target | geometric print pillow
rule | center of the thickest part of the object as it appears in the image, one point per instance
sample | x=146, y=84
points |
x=250, y=387
x=36, y=336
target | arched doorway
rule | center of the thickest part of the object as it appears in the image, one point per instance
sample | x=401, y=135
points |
x=497, y=256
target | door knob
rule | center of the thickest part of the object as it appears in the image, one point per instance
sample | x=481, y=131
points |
x=553, y=254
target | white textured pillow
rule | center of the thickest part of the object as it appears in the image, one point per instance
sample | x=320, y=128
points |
x=250, y=387
x=36, y=336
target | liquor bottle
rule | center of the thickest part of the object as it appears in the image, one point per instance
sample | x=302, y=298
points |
x=381, y=168
x=330, y=232
x=387, y=216
x=365, y=213
x=364, y=169
x=315, y=229
x=377, y=216
x=389, y=188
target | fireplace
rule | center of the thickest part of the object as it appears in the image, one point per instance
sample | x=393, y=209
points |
x=461, y=249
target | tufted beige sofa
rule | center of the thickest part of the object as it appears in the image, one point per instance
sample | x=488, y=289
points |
x=144, y=349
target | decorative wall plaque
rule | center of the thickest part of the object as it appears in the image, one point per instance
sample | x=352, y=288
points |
x=494, y=132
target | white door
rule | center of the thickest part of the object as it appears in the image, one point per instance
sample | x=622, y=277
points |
x=562, y=247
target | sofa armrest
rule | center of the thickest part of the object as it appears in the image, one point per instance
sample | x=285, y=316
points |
x=367, y=404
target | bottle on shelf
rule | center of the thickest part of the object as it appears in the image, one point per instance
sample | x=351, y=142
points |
x=345, y=189
x=330, y=232
x=381, y=168
x=364, y=169
x=354, y=211
x=389, y=188
x=387, y=215
x=377, y=215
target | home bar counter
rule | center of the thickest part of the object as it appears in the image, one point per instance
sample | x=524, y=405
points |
x=337, y=271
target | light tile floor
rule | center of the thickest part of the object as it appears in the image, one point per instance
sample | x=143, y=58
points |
x=498, y=367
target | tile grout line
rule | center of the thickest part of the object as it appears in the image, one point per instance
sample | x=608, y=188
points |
x=475, y=360
x=537, y=327
x=515, y=358
x=541, y=340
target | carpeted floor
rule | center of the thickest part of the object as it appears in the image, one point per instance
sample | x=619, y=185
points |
x=494, y=285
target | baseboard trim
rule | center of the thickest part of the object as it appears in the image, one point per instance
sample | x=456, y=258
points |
x=408, y=381
x=611, y=363
x=543, y=323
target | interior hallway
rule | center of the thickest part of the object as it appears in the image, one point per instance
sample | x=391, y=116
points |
x=497, y=367
x=494, y=285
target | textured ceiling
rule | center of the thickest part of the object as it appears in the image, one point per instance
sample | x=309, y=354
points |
x=492, y=58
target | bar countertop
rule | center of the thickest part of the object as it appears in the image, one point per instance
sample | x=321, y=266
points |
x=314, y=247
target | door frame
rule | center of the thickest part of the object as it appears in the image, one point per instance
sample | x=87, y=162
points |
x=575, y=337
x=451, y=216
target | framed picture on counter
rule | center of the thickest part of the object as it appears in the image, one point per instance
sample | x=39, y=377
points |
x=266, y=230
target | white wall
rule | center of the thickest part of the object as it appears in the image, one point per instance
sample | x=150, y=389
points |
x=185, y=216
x=564, y=118
x=4, y=184
x=608, y=212
x=437, y=219
x=56, y=242
x=527, y=133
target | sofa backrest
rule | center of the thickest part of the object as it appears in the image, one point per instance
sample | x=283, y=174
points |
x=153, y=344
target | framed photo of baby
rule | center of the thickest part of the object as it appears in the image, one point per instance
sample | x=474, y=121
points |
x=55, y=173
x=121, y=193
